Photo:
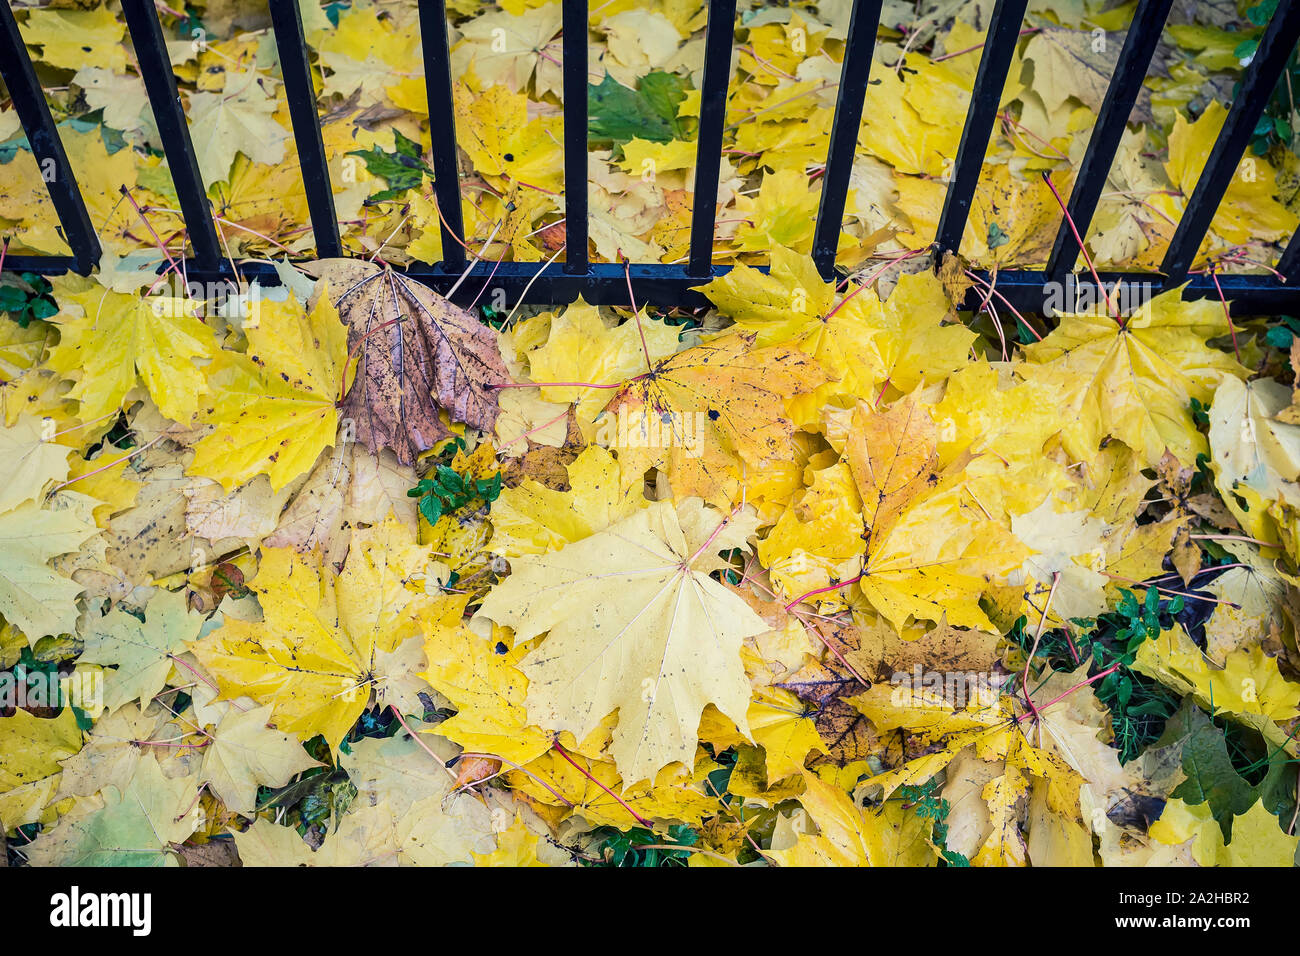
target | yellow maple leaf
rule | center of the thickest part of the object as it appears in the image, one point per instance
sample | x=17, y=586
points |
x=533, y=519
x=583, y=347
x=893, y=456
x=1251, y=448
x=914, y=123
x=1013, y=220
x=1249, y=210
x=1249, y=683
x=1137, y=381
x=1004, y=845
x=642, y=157
x=516, y=846
x=120, y=340
x=819, y=538
x=636, y=624
x=869, y=349
x=71, y=39
x=783, y=213
x=511, y=47
x=695, y=412
x=504, y=145
x=560, y=784
x=366, y=50
x=30, y=751
x=1257, y=836
x=486, y=688
x=275, y=408
x=851, y=836
x=325, y=641
x=928, y=550
x=780, y=723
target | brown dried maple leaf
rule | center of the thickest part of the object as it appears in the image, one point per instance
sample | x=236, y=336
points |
x=416, y=353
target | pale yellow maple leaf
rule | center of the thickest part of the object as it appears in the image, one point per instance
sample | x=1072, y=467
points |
x=674, y=633
x=510, y=48
x=141, y=651
x=113, y=750
x=244, y=753
x=239, y=119
x=29, y=460
x=33, y=596
x=1251, y=448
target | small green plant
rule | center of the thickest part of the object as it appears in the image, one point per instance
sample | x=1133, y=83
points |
x=1280, y=336
x=1274, y=126
x=641, y=847
x=1139, y=707
x=928, y=805
x=26, y=296
x=1200, y=413
x=314, y=802
x=447, y=490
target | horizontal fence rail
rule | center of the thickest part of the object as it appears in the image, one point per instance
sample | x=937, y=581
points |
x=674, y=285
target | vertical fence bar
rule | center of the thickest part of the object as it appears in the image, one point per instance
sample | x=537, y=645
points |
x=574, y=57
x=442, y=129
x=295, y=70
x=1289, y=264
x=1125, y=85
x=999, y=47
x=1257, y=85
x=718, y=36
x=43, y=137
x=854, y=74
x=159, y=82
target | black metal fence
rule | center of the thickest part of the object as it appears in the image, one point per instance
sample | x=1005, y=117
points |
x=672, y=284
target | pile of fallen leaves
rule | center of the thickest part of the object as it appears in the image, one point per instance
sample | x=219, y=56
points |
x=338, y=572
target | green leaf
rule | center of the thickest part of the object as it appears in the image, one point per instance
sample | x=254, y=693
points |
x=403, y=168
x=451, y=480
x=1211, y=777
x=431, y=508
x=1261, y=13
x=665, y=93
x=617, y=114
